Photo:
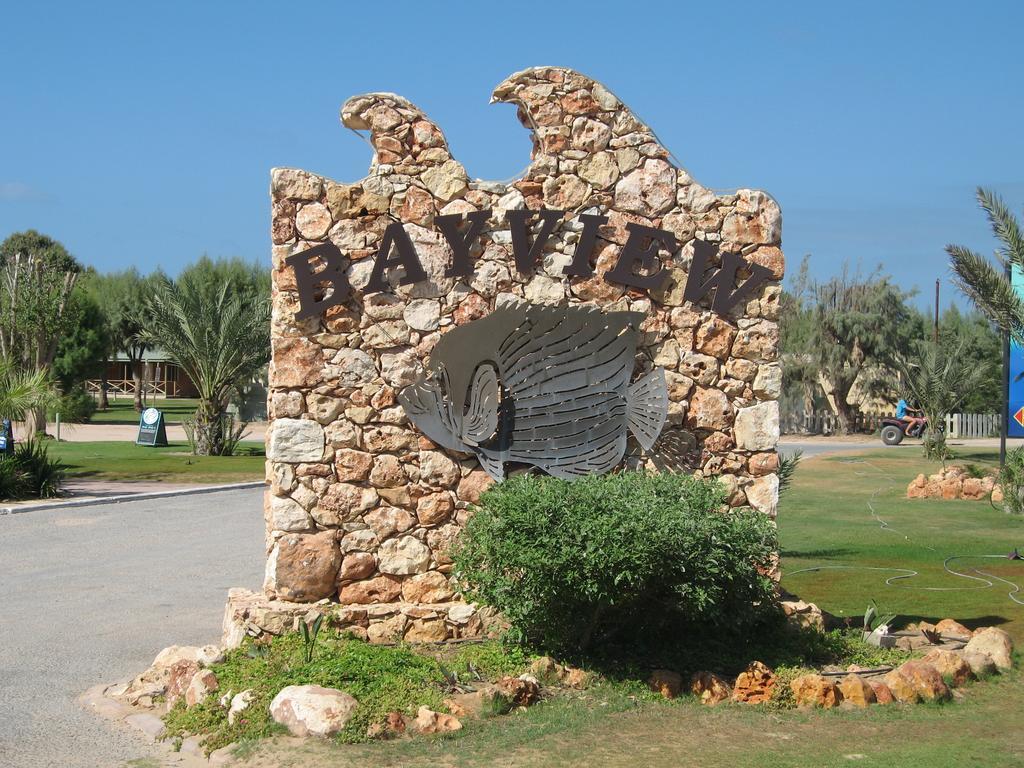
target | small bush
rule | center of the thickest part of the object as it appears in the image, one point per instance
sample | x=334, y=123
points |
x=74, y=407
x=43, y=475
x=609, y=558
x=1011, y=480
x=13, y=480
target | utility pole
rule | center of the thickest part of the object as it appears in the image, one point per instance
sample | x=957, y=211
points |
x=935, y=325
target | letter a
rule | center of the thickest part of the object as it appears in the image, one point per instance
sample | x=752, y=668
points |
x=405, y=256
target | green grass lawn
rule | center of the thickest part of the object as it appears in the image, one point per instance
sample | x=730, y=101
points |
x=122, y=411
x=122, y=461
x=834, y=514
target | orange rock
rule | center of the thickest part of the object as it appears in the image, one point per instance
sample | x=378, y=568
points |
x=711, y=688
x=666, y=682
x=952, y=628
x=923, y=678
x=754, y=685
x=573, y=677
x=428, y=721
x=900, y=688
x=950, y=664
x=522, y=693
x=815, y=691
x=882, y=693
x=857, y=690
x=950, y=488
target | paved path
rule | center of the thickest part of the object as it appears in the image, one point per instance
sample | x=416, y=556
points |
x=91, y=594
x=79, y=433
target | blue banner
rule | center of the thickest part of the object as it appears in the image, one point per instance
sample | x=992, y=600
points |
x=1015, y=425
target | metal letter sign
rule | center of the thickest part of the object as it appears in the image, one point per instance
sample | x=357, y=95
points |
x=539, y=385
x=1015, y=425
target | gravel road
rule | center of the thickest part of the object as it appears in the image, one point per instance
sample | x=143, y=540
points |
x=93, y=593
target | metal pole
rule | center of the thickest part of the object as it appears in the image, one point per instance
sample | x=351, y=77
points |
x=1005, y=425
x=58, y=427
x=935, y=325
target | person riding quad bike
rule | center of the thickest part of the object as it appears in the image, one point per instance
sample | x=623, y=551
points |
x=908, y=422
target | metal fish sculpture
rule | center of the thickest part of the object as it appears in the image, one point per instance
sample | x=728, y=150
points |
x=539, y=385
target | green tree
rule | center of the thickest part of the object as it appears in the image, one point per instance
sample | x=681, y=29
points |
x=82, y=351
x=842, y=333
x=987, y=286
x=938, y=379
x=981, y=347
x=37, y=279
x=219, y=336
x=124, y=298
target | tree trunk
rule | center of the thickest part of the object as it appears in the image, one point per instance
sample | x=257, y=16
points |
x=137, y=385
x=104, y=402
x=209, y=429
x=35, y=422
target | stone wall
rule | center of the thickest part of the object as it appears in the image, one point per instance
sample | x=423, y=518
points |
x=361, y=507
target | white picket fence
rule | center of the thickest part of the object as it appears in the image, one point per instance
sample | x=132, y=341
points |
x=958, y=425
x=972, y=425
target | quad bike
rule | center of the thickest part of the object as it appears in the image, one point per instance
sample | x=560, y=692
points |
x=894, y=430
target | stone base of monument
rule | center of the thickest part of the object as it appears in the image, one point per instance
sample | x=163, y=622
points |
x=253, y=614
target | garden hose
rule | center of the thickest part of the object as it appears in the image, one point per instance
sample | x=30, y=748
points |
x=988, y=580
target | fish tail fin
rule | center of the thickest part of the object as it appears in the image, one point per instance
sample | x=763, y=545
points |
x=647, y=408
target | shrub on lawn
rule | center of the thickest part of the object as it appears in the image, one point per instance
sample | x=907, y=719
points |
x=1011, y=480
x=30, y=472
x=615, y=557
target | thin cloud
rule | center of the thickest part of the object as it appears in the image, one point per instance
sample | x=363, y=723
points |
x=16, y=192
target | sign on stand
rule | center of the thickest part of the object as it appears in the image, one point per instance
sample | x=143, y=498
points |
x=6, y=437
x=151, y=428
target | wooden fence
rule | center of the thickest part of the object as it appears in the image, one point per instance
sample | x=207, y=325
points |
x=958, y=425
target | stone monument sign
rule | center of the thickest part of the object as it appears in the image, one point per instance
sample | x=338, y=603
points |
x=432, y=334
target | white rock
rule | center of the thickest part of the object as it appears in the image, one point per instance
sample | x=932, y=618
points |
x=354, y=367
x=768, y=381
x=312, y=221
x=763, y=494
x=757, y=427
x=648, y=190
x=295, y=440
x=288, y=515
x=544, y=290
x=446, y=181
x=403, y=556
x=994, y=643
x=423, y=314
x=298, y=185
x=399, y=369
x=239, y=703
x=461, y=613
x=310, y=710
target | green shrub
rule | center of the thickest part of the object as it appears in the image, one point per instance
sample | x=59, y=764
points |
x=1011, y=480
x=610, y=558
x=43, y=475
x=74, y=407
x=13, y=481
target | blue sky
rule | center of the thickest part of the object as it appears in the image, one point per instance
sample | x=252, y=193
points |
x=143, y=133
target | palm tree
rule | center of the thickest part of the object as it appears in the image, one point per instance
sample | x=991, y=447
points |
x=938, y=379
x=986, y=285
x=22, y=392
x=220, y=340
